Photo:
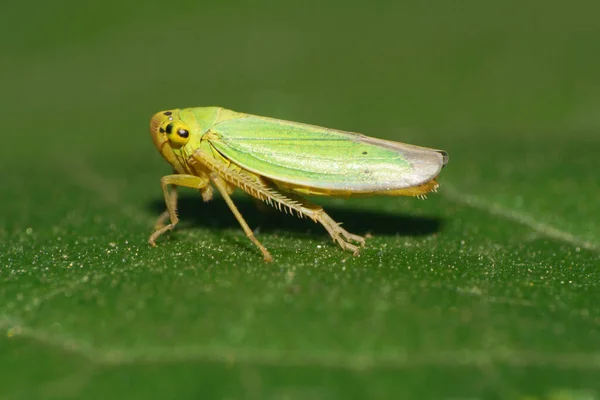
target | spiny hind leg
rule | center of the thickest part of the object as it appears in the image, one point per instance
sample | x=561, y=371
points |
x=337, y=233
x=326, y=219
x=192, y=181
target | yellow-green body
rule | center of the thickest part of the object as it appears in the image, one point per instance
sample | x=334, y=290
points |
x=278, y=161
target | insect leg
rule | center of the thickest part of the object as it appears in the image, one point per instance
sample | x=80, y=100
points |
x=337, y=233
x=222, y=187
x=191, y=181
x=256, y=187
x=162, y=219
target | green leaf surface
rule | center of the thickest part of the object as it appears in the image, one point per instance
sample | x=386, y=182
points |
x=487, y=289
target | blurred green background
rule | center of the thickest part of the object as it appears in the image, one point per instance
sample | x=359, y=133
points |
x=488, y=289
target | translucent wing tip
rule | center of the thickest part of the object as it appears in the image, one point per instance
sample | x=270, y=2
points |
x=426, y=164
x=445, y=157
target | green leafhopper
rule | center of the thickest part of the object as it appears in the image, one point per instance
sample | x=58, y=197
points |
x=279, y=161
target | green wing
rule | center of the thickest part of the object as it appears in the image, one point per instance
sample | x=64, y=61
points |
x=316, y=157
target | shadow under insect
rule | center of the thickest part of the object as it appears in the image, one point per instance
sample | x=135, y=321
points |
x=216, y=215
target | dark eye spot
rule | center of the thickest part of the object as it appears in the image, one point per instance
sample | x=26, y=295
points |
x=364, y=152
x=167, y=113
x=162, y=130
x=184, y=133
x=169, y=129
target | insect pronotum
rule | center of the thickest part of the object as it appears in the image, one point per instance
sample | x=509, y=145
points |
x=279, y=161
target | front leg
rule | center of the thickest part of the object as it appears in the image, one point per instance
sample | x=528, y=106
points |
x=164, y=217
x=191, y=181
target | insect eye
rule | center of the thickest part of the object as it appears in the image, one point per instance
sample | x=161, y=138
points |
x=177, y=132
x=183, y=133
